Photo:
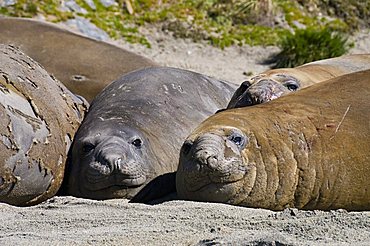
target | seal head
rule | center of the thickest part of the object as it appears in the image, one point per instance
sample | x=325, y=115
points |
x=212, y=165
x=113, y=161
x=291, y=152
x=263, y=88
x=131, y=136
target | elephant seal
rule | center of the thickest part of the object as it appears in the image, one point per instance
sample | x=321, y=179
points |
x=134, y=130
x=278, y=82
x=39, y=118
x=84, y=65
x=308, y=150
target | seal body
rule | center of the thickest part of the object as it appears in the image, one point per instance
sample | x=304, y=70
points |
x=278, y=82
x=84, y=65
x=308, y=150
x=39, y=118
x=135, y=127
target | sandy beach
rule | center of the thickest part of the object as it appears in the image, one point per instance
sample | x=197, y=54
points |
x=73, y=221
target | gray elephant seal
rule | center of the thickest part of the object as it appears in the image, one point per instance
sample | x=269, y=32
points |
x=85, y=66
x=278, y=82
x=39, y=118
x=308, y=150
x=135, y=127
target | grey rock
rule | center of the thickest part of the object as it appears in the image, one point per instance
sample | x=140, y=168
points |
x=5, y=3
x=87, y=28
x=72, y=6
x=108, y=3
x=299, y=25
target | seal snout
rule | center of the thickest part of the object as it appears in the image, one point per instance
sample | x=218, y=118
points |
x=262, y=91
x=208, y=150
x=265, y=90
x=109, y=157
x=115, y=164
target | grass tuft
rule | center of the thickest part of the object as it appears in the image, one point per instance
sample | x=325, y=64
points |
x=307, y=45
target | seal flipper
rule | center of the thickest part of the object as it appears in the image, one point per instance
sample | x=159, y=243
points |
x=158, y=188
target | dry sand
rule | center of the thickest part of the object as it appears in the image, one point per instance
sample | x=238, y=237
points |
x=73, y=221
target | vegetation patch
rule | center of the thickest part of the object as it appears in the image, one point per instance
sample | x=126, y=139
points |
x=307, y=45
x=220, y=22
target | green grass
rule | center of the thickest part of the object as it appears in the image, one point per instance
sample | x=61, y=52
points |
x=307, y=45
x=219, y=22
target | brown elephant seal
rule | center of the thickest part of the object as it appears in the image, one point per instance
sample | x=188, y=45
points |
x=308, y=150
x=134, y=130
x=278, y=82
x=84, y=65
x=39, y=118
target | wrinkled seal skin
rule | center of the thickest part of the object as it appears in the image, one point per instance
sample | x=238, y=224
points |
x=134, y=130
x=278, y=82
x=85, y=66
x=308, y=150
x=39, y=118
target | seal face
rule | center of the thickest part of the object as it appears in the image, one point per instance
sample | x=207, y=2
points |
x=84, y=65
x=115, y=158
x=214, y=160
x=134, y=130
x=275, y=83
x=39, y=117
x=291, y=152
x=263, y=88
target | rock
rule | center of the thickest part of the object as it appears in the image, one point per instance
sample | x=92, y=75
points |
x=72, y=6
x=86, y=27
x=108, y=3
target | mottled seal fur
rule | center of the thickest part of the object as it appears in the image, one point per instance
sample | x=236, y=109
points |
x=308, y=150
x=39, y=118
x=134, y=130
x=277, y=82
x=84, y=65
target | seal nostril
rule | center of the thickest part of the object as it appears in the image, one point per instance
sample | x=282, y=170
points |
x=117, y=163
x=244, y=101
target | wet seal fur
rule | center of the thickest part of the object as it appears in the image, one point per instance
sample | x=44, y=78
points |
x=308, y=150
x=39, y=118
x=84, y=65
x=134, y=130
x=278, y=82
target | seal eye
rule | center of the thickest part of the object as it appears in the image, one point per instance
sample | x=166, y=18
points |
x=186, y=147
x=88, y=147
x=137, y=143
x=291, y=85
x=239, y=139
